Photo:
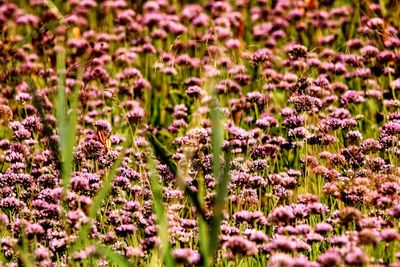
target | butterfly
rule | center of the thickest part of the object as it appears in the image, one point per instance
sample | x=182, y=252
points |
x=105, y=140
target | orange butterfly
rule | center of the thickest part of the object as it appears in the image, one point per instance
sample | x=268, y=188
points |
x=105, y=140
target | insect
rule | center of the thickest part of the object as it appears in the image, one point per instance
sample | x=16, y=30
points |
x=105, y=140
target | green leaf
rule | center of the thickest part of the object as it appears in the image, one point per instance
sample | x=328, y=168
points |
x=156, y=190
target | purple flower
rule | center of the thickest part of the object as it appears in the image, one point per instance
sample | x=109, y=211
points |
x=11, y=203
x=79, y=183
x=280, y=260
x=331, y=258
x=19, y=131
x=194, y=91
x=237, y=245
x=136, y=114
x=368, y=236
x=305, y=103
x=395, y=84
x=323, y=228
x=93, y=149
x=186, y=256
x=103, y=125
x=369, y=51
x=43, y=255
x=356, y=257
x=281, y=215
x=352, y=97
x=297, y=51
x=293, y=121
x=389, y=188
x=34, y=229
x=262, y=55
x=126, y=229
x=132, y=252
x=232, y=44
x=389, y=235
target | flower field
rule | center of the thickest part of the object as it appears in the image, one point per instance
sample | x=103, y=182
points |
x=200, y=133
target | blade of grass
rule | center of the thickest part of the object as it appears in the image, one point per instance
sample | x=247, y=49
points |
x=204, y=240
x=50, y=4
x=162, y=153
x=66, y=126
x=216, y=138
x=222, y=192
x=95, y=207
x=222, y=177
x=61, y=109
x=207, y=241
x=164, y=156
x=106, y=187
x=112, y=256
x=25, y=255
x=156, y=190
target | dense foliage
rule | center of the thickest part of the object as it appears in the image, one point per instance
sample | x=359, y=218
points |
x=211, y=133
